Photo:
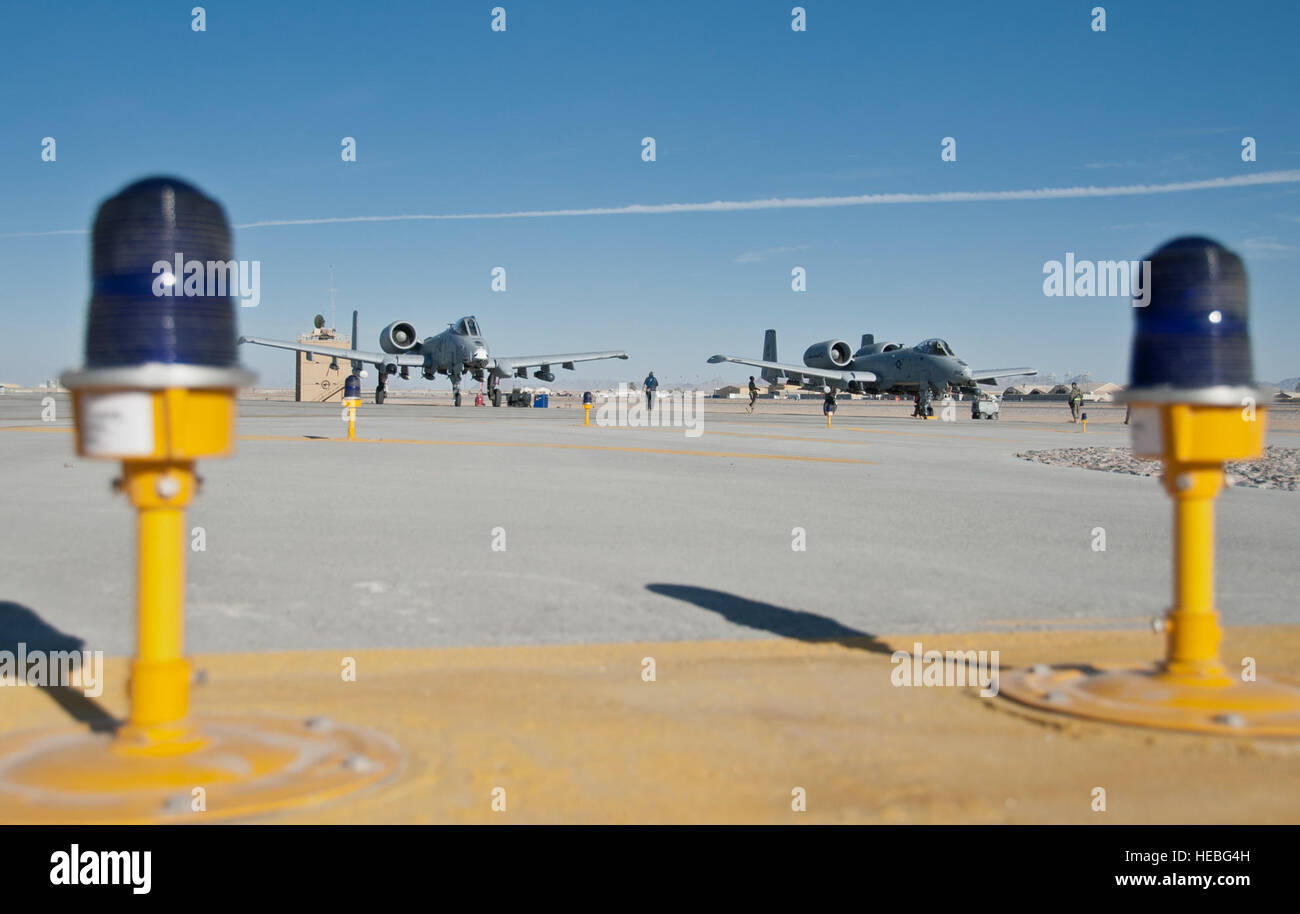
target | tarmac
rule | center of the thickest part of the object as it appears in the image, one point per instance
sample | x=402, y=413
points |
x=523, y=665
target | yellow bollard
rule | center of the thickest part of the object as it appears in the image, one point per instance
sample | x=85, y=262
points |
x=173, y=426
x=352, y=400
x=1197, y=441
x=1193, y=414
x=586, y=414
x=352, y=418
x=160, y=675
x=157, y=392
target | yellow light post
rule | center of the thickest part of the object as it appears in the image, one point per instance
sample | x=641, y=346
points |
x=351, y=400
x=586, y=409
x=1194, y=406
x=157, y=392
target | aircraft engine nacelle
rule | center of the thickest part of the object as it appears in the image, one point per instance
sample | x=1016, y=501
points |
x=398, y=337
x=828, y=354
x=876, y=348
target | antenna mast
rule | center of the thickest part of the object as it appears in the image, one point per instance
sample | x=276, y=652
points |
x=333, y=326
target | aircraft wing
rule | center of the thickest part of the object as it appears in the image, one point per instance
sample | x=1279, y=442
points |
x=508, y=365
x=991, y=375
x=351, y=355
x=797, y=373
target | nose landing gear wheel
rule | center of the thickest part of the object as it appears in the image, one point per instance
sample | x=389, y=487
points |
x=457, y=398
x=379, y=395
x=496, y=396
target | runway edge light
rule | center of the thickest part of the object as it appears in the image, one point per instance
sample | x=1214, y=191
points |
x=157, y=392
x=352, y=400
x=1194, y=405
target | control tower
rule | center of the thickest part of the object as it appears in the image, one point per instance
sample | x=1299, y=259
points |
x=316, y=378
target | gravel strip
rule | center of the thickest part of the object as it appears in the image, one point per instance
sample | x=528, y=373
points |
x=1279, y=468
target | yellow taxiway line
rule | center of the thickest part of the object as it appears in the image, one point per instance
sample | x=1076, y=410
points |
x=684, y=452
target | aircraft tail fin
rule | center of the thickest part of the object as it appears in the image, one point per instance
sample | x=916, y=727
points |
x=868, y=339
x=355, y=341
x=769, y=355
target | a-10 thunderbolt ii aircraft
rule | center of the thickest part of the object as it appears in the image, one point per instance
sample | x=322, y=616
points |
x=458, y=351
x=929, y=367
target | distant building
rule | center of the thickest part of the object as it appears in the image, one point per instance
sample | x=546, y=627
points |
x=319, y=379
x=1100, y=392
x=1017, y=390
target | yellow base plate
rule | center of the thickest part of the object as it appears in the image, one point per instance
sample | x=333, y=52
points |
x=245, y=766
x=1149, y=697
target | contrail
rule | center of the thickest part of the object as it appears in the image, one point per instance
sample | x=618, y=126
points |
x=43, y=234
x=730, y=206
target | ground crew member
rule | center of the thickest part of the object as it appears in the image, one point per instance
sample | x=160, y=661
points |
x=1076, y=401
x=651, y=384
x=916, y=405
x=753, y=395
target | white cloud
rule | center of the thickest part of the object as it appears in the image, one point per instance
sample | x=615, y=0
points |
x=757, y=256
x=1199, y=131
x=771, y=203
x=1268, y=249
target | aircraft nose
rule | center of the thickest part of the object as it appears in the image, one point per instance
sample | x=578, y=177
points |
x=480, y=354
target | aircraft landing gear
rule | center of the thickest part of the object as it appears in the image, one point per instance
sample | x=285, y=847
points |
x=381, y=391
x=494, y=392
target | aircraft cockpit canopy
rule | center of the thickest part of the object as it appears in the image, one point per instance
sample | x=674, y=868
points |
x=468, y=326
x=935, y=347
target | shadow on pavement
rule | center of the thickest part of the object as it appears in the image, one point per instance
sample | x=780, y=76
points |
x=20, y=625
x=788, y=623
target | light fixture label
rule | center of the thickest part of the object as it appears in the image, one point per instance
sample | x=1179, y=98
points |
x=118, y=424
x=1146, y=431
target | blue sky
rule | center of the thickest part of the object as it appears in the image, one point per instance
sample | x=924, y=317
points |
x=452, y=118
